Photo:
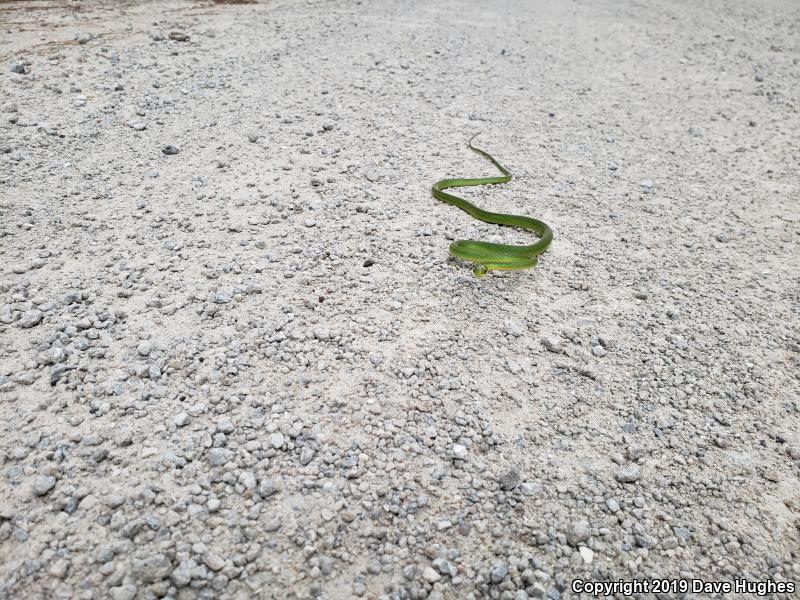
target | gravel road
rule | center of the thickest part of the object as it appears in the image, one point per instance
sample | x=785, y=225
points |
x=236, y=360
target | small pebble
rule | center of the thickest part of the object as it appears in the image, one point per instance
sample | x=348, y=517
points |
x=628, y=473
x=43, y=484
x=498, y=572
x=552, y=344
x=578, y=532
x=29, y=319
x=509, y=480
x=219, y=456
x=460, y=452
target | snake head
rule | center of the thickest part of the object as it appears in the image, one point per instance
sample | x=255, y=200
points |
x=479, y=270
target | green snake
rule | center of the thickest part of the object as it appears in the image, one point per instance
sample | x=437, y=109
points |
x=485, y=255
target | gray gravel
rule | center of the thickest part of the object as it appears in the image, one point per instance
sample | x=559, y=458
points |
x=236, y=360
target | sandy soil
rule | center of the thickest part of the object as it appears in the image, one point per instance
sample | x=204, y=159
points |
x=236, y=360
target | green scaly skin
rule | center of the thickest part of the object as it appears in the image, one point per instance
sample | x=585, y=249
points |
x=487, y=256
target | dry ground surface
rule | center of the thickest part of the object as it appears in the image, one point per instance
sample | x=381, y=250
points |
x=236, y=360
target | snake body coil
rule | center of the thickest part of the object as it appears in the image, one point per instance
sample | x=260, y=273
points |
x=488, y=256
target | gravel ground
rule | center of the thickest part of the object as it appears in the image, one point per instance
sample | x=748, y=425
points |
x=236, y=360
